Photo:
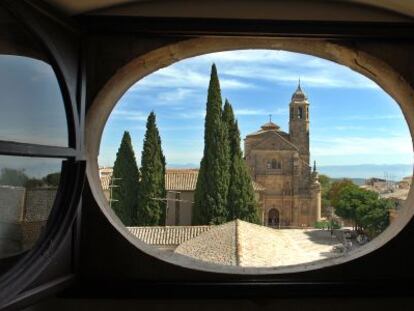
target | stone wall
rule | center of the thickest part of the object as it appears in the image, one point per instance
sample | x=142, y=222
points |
x=179, y=213
x=23, y=215
x=38, y=204
x=11, y=203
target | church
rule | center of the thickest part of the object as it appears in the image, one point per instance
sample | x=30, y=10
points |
x=279, y=161
x=286, y=188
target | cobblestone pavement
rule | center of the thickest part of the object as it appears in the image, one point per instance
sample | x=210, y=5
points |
x=288, y=247
x=248, y=245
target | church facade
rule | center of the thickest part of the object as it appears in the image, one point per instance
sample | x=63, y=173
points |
x=279, y=161
x=286, y=189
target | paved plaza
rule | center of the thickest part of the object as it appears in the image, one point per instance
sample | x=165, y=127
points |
x=248, y=245
x=295, y=246
x=240, y=243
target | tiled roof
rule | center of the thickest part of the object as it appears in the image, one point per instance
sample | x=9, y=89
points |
x=218, y=245
x=168, y=235
x=186, y=180
x=181, y=179
x=245, y=244
x=177, y=180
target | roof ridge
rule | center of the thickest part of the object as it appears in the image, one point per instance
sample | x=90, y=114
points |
x=237, y=248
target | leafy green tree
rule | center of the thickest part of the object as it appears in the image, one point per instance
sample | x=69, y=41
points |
x=13, y=177
x=35, y=183
x=366, y=209
x=349, y=199
x=210, y=206
x=151, y=209
x=52, y=179
x=18, y=178
x=335, y=188
x=126, y=178
x=241, y=201
x=233, y=133
x=375, y=217
x=326, y=183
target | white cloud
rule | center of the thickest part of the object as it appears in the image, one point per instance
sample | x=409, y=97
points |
x=132, y=115
x=244, y=69
x=183, y=77
x=281, y=67
x=348, y=127
x=375, y=117
x=324, y=76
x=256, y=56
x=259, y=112
x=176, y=95
x=191, y=114
x=181, y=128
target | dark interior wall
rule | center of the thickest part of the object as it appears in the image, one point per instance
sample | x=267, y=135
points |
x=313, y=10
x=107, y=53
x=309, y=304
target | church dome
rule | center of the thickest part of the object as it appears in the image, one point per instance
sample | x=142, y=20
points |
x=270, y=126
x=299, y=95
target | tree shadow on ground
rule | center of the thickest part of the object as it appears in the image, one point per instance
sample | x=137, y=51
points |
x=323, y=237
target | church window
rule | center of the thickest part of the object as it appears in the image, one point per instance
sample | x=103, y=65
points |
x=276, y=164
x=300, y=113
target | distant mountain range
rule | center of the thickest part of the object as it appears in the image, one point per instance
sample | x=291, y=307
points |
x=358, y=173
x=185, y=165
x=364, y=171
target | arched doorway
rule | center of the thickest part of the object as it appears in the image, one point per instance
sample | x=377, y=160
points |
x=273, y=218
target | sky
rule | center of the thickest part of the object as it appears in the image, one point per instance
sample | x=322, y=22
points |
x=352, y=120
x=32, y=112
x=31, y=96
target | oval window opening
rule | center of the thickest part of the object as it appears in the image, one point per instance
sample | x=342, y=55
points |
x=256, y=159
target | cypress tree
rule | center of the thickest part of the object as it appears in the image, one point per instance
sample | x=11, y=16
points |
x=210, y=206
x=151, y=209
x=241, y=198
x=125, y=195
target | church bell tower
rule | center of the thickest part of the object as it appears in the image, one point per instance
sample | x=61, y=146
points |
x=299, y=122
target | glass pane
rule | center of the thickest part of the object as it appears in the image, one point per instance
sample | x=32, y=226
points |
x=32, y=108
x=27, y=191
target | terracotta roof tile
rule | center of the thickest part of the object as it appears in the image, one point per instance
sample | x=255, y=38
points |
x=176, y=180
x=244, y=244
x=181, y=179
x=168, y=235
